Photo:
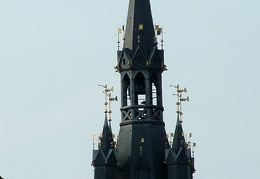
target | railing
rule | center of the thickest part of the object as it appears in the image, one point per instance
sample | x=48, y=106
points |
x=141, y=112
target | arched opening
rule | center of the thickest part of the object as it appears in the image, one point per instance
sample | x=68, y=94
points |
x=155, y=86
x=140, y=98
x=126, y=91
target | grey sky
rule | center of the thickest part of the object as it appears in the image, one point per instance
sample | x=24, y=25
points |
x=54, y=53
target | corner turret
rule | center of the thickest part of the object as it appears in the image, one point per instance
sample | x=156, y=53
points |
x=105, y=157
x=178, y=158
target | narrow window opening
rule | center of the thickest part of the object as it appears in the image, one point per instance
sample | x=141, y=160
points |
x=154, y=94
x=140, y=97
x=126, y=100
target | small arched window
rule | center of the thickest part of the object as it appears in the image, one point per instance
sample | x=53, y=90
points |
x=155, y=85
x=126, y=91
x=140, y=98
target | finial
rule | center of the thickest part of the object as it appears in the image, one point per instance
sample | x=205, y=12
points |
x=162, y=44
x=120, y=31
x=124, y=42
x=94, y=137
x=108, y=99
x=107, y=93
x=180, y=99
x=99, y=140
x=194, y=145
x=188, y=139
x=159, y=31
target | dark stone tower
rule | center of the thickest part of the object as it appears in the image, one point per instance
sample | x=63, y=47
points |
x=143, y=150
x=141, y=64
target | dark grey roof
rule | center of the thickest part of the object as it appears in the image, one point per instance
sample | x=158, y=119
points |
x=107, y=141
x=139, y=13
x=178, y=140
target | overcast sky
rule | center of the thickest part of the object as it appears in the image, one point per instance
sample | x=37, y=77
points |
x=54, y=53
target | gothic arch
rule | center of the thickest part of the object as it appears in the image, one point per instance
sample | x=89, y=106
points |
x=140, y=89
x=155, y=83
x=126, y=90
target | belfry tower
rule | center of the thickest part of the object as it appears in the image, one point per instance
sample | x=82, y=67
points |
x=142, y=150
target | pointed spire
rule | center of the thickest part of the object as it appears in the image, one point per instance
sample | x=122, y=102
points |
x=139, y=26
x=110, y=129
x=179, y=139
x=106, y=139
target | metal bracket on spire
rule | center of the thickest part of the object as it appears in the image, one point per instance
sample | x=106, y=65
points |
x=180, y=99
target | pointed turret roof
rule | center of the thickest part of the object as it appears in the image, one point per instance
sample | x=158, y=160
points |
x=179, y=140
x=110, y=129
x=106, y=140
x=105, y=155
x=139, y=26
